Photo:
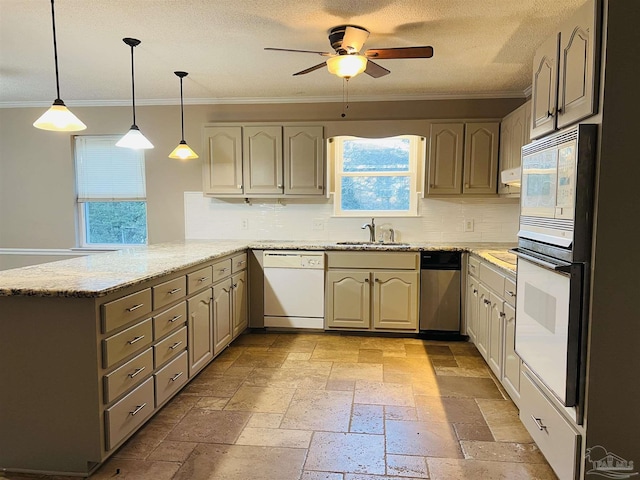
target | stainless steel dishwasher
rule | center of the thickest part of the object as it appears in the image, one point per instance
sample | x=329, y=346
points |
x=440, y=285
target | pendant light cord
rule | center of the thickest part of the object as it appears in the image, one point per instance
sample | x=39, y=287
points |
x=55, y=50
x=133, y=88
x=181, y=110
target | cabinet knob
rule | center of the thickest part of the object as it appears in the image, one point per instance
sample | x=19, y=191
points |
x=502, y=314
x=320, y=187
x=366, y=280
x=466, y=185
x=377, y=280
x=279, y=186
x=238, y=186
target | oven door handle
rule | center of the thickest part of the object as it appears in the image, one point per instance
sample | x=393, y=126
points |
x=555, y=267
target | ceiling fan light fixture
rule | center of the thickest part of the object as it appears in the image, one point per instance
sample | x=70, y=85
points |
x=133, y=138
x=182, y=151
x=347, y=66
x=58, y=118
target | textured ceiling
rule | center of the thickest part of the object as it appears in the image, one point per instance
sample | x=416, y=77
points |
x=482, y=48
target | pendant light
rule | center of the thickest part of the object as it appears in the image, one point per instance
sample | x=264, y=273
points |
x=134, y=137
x=58, y=118
x=182, y=151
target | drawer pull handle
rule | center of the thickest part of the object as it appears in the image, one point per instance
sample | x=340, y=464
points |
x=177, y=317
x=137, y=410
x=202, y=279
x=135, y=307
x=135, y=340
x=174, y=291
x=502, y=314
x=136, y=372
x=510, y=293
x=176, y=376
x=175, y=345
x=222, y=270
x=538, y=422
x=241, y=262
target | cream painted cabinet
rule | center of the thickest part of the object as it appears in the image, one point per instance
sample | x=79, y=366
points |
x=515, y=131
x=495, y=335
x=303, y=160
x=395, y=300
x=221, y=311
x=249, y=160
x=262, y=160
x=348, y=298
x=200, y=328
x=565, y=73
x=472, y=308
x=484, y=313
x=512, y=362
x=463, y=158
x=222, y=160
x=239, y=315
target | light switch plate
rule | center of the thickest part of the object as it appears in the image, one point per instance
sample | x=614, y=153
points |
x=468, y=224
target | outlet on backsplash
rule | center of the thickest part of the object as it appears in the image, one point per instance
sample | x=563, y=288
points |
x=318, y=224
x=468, y=224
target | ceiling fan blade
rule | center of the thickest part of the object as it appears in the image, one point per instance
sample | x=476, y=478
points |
x=401, y=52
x=311, y=69
x=354, y=39
x=376, y=71
x=326, y=54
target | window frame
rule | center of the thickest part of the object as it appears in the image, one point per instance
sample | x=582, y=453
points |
x=81, y=218
x=417, y=149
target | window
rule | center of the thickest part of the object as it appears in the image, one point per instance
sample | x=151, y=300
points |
x=110, y=183
x=377, y=176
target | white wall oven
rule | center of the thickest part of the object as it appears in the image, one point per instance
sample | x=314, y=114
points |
x=554, y=250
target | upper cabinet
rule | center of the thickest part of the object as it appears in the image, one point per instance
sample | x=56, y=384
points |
x=263, y=160
x=463, y=158
x=515, y=130
x=565, y=73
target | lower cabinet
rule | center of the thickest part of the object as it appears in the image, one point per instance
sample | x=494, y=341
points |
x=200, y=331
x=378, y=291
x=484, y=313
x=221, y=315
x=239, y=301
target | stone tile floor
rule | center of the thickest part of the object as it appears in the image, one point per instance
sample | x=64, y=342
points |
x=300, y=406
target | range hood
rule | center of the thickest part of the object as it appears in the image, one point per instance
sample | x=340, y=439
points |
x=511, y=176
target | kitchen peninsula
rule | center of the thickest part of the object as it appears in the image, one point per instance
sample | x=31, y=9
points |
x=96, y=345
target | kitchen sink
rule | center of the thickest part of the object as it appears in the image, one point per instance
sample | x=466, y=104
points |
x=355, y=243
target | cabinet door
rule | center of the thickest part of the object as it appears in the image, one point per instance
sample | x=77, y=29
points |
x=512, y=362
x=576, y=85
x=222, y=329
x=494, y=347
x=395, y=300
x=527, y=127
x=200, y=331
x=506, y=150
x=303, y=160
x=484, y=312
x=348, y=299
x=446, y=143
x=262, y=159
x=544, y=90
x=480, y=158
x=222, y=162
x=472, y=308
x=239, y=303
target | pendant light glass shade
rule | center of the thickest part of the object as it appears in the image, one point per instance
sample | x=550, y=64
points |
x=182, y=151
x=347, y=66
x=133, y=138
x=58, y=118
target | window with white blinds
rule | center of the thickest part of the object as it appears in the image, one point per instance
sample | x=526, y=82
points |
x=110, y=184
x=105, y=172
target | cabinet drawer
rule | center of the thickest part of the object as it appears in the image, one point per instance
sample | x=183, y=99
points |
x=239, y=262
x=221, y=269
x=494, y=280
x=125, y=309
x=126, y=343
x=171, y=378
x=169, y=347
x=169, y=320
x=199, y=279
x=555, y=437
x=169, y=292
x=510, y=291
x=474, y=266
x=129, y=413
x=128, y=375
x=374, y=260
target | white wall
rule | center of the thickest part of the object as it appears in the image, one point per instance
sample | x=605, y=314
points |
x=495, y=220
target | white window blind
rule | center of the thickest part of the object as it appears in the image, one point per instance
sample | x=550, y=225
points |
x=105, y=172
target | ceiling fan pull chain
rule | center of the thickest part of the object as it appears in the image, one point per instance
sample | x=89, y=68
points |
x=345, y=103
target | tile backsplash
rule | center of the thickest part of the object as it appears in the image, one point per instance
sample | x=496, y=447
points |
x=439, y=220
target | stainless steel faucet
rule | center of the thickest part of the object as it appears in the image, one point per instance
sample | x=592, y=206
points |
x=372, y=230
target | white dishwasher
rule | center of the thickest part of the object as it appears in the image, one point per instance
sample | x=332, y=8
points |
x=293, y=289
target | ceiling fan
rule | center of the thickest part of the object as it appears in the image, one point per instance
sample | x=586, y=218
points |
x=347, y=61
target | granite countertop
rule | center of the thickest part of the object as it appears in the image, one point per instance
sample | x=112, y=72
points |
x=103, y=273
